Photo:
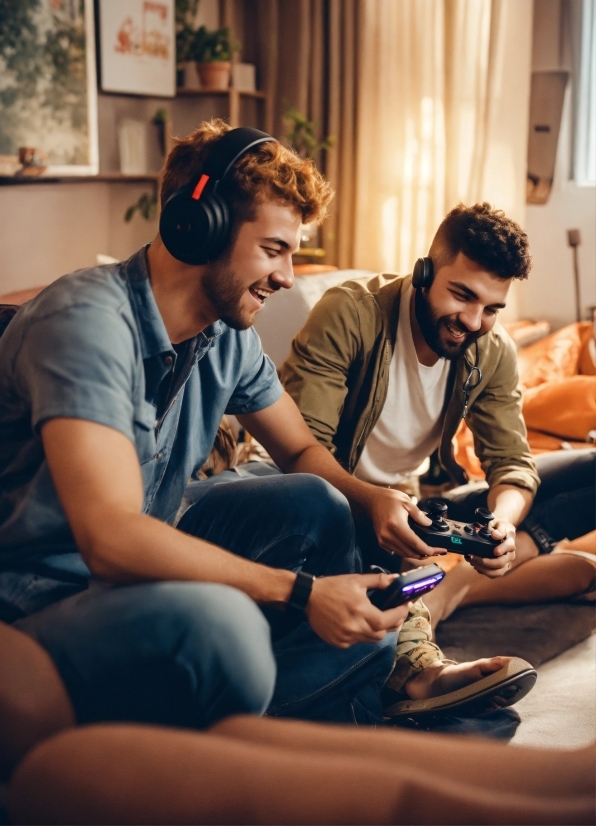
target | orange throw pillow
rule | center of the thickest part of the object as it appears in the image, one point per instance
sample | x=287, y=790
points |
x=565, y=408
x=554, y=357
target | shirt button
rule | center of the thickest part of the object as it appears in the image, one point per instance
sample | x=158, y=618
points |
x=159, y=455
x=168, y=360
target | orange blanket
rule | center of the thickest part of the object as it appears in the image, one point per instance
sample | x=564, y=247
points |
x=558, y=379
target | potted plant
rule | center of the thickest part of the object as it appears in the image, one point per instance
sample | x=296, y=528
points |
x=212, y=52
x=186, y=11
x=301, y=135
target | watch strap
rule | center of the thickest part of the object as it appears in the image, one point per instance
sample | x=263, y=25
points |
x=301, y=591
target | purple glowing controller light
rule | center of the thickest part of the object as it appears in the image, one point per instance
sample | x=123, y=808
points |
x=423, y=584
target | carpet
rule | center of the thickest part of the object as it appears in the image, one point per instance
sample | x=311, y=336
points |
x=536, y=633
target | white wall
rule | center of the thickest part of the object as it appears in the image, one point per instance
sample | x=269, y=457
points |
x=549, y=291
x=49, y=229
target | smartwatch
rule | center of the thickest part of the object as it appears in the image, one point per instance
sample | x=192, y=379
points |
x=301, y=591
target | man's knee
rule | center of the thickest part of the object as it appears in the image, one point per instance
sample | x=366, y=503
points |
x=179, y=653
x=327, y=509
x=222, y=636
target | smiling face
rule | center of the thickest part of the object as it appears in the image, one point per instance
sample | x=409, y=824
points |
x=259, y=264
x=460, y=306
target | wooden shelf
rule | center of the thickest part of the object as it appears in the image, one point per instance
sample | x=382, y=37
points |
x=104, y=177
x=233, y=96
x=182, y=90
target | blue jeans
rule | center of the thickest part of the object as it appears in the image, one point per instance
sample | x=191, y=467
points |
x=189, y=654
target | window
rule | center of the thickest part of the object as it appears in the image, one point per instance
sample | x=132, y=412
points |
x=585, y=147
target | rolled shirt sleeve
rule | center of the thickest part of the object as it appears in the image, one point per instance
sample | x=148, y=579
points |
x=258, y=386
x=79, y=364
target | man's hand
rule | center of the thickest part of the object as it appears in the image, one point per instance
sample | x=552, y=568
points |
x=340, y=612
x=504, y=553
x=389, y=512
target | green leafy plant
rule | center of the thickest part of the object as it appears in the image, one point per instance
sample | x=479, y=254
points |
x=146, y=206
x=210, y=46
x=186, y=12
x=301, y=133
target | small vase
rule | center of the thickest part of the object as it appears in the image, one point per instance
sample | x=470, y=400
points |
x=215, y=75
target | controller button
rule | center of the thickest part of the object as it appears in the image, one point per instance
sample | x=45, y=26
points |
x=440, y=525
x=469, y=529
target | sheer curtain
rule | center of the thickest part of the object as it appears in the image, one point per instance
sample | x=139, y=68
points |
x=442, y=117
x=428, y=101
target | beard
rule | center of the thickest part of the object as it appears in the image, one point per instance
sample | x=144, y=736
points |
x=222, y=288
x=431, y=325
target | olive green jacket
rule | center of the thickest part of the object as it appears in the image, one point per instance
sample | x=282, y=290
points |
x=338, y=373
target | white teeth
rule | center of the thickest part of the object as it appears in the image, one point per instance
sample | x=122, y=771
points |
x=454, y=332
x=263, y=295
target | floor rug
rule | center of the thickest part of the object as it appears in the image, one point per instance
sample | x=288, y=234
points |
x=535, y=633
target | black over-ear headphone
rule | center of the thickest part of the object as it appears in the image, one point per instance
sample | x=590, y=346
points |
x=423, y=273
x=196, y=221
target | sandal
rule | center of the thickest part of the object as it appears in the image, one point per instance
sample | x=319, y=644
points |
x=501, y=689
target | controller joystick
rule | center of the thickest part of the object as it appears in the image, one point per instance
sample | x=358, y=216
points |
x=437, y=511
x=484, y=517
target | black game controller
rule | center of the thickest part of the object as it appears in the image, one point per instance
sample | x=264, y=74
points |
x=405, y=587
x=473, y=538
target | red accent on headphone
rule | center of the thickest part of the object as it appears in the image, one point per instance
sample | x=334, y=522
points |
x=200, y=187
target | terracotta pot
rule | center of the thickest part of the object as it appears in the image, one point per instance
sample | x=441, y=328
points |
x=215, y=75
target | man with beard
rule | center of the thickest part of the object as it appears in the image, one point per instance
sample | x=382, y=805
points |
x=143, y=588
x=141, y=582
x=383, y=372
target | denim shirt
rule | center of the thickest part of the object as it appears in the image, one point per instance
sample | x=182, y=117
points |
x=94, y=346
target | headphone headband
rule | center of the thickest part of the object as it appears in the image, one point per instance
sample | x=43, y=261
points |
x=227, y=149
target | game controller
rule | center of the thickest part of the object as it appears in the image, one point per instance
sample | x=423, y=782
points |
x=474, y=538
x=405, y=587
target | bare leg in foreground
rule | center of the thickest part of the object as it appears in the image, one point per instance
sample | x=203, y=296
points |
x=249, y=770
x=33, y=701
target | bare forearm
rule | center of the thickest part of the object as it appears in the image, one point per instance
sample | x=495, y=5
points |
x=139, y=548
x=509, y=503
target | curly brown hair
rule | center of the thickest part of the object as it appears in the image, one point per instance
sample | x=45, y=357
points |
x=270, y=172
x=487, y=237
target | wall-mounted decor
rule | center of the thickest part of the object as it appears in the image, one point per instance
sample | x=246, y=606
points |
x=48, y=94
x=137, y=47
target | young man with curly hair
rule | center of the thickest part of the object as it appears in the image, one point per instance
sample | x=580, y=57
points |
x=383, y=372
x=113, y=382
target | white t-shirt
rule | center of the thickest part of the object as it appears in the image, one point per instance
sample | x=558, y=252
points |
x=409, y=428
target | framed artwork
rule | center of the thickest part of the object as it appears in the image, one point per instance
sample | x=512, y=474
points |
x=48, y=94
x=137, y=47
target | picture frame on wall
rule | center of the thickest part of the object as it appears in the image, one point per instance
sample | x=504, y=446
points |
x=137, y=47
x=48, y=95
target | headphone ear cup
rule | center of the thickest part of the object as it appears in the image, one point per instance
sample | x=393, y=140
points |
x=422, y=275
x=221, y=225
x=194, y=231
